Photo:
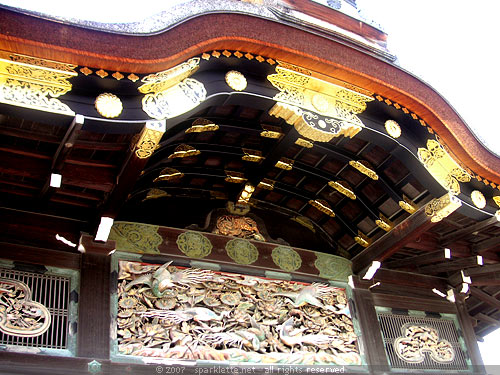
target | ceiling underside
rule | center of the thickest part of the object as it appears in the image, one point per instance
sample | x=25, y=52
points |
x=100, y=175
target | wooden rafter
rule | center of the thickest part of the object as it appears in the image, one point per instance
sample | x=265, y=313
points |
x=485, y=297
x=468, y=231
x=402, y=234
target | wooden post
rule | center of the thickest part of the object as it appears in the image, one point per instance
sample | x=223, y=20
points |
x=373, y=342
x=469, y=335
x=94, y=301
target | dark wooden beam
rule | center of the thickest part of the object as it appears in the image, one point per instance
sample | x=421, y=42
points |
x=409, y=279
x=127, y=177
x=485, y=297
x=492, y=244
x=468, y=231
x=38, y=255
x=492, y=279
x=487, y=319
x=418, y=260
x=403, y=233
x=482, y=270
x=449, y=266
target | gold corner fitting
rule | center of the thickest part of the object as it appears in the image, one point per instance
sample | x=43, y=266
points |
x=35, y=83
x=439, y=208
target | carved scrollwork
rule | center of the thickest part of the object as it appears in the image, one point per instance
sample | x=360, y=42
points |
x=419, y=339
x=19, y=315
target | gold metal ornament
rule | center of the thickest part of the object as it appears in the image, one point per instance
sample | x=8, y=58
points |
x=439, y=208
x=478, y=199
x=184, y=151
x=108, y=105
x=169, y=174
x=155, y=194
x=236, y=80
x=254, y=156
x=442, y=167
x=266, y=184
x=343, y=188
x=384, y=223
x=246, y=194
x=150, y=138
x=285, y=164
x=273, y=132
x=318, y=108
x=171, y=93
x=393, y=128
x=408, y=205
x=496, y=199
x=235, y=177
x=34, y=83
x=201, y=125
x=363, y=239
x=365, y=168
x=322, y=206
x=304, y=143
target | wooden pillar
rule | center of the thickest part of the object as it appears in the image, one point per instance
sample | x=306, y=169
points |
x=94, y=301
x=469, y=335
x=373, y=342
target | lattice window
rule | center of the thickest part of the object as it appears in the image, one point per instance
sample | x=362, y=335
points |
x=53, y=292
x=422, y=342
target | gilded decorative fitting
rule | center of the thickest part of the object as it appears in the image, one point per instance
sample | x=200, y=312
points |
x=171, y=93
x=108, y=105
x=304, y=143
x=343, y=188
x=496, y=199
x=201, y=125
x=336, y=105
x=169, y=174
x=384, y=223
x=363, y=239
x=497, y=215
x=132, y=77
x=102, y=73
x=150, y=138
x=313, y=126
x=393, y=128
x=266, y=184
x=254, y=156
x=118, y=76
x=86, y=71
x=478, y=199
x=35, y=83
x=439, y=208
x=236, y=80
x=155, y=194
x=285, y=164
x=408, y=205
x=365, y=168
x=273, y=132
x=305, y=222
x=184, y=151
x=246, y=194
x=442, y=167
x=235, y=177
x=322, y=206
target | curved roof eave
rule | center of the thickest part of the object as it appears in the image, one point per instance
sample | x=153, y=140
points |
x=325, y=54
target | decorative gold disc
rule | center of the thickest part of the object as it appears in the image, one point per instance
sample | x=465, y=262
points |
x=108, y=105
x=478, y=199
x=236, y=80
x=393, y=128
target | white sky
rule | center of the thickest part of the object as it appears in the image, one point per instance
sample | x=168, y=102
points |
x=451, y=44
